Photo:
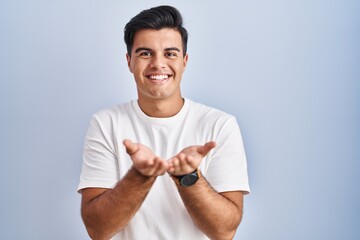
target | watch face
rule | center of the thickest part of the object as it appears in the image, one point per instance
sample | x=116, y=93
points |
x=189, y=179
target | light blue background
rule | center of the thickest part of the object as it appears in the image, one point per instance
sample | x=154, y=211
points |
x=288, y=70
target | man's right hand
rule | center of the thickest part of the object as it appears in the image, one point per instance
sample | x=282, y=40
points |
x=144, y=160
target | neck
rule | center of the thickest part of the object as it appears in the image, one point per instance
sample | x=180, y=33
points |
x=161, y=108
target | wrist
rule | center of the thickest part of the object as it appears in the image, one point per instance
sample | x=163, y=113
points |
x=139, y=176
x=187, y=179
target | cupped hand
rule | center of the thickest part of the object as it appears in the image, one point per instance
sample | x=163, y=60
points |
x=188, y=160
x=144, y=160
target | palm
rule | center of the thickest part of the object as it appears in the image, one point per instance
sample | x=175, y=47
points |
x=187, y=160
x=144, y=160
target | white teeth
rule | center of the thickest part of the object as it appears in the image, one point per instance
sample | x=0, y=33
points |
x=158, y=77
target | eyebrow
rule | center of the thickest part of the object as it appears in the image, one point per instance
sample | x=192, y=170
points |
x=149, y=49
x=142, y=49
x=172, y=49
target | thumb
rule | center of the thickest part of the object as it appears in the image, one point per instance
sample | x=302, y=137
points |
x=131, y=147
x=204, y=150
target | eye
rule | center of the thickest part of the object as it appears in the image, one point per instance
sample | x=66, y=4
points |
x=145, y=54
x=171, y=54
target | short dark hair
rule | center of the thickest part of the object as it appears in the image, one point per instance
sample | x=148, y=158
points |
x=155, y=18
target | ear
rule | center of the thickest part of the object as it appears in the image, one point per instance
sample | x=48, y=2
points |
x=128, y=59
x=185, y=60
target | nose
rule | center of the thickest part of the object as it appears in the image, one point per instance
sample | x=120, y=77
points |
x=157, y=62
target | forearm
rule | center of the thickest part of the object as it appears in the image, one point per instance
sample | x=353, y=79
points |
x=215, y=215
x=108, y=213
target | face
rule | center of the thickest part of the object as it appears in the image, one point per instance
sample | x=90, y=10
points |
x=157, y=63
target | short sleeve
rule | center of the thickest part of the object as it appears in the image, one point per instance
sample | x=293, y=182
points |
x=99, y=169
x=227, y=168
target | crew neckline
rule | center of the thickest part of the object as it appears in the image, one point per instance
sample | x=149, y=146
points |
x=162, y=121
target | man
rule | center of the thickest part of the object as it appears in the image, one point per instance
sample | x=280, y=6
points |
x=162, y=167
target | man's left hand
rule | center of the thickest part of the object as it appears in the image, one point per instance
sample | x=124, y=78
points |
x=188, y=159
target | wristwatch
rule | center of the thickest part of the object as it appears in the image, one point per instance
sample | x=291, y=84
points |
x=187, y=179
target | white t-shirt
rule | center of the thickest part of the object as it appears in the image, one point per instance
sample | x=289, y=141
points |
x=163, y=214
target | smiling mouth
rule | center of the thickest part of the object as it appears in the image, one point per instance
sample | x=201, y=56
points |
x=159, y=77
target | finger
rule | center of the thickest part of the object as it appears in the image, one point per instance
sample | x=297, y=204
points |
x=191, y=161
x=204, y=150
x=158, y=168
x=182, y=165
x=162, y=167
x=188, y=164
x=146, y=167
x=131, y=147
x=170, y=168
x=146, y=163
x=173, y=164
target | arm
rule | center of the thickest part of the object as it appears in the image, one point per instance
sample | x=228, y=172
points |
x=107, y=211
x=216, y=214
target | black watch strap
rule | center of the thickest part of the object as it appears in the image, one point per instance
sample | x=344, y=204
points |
x=187, y=179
